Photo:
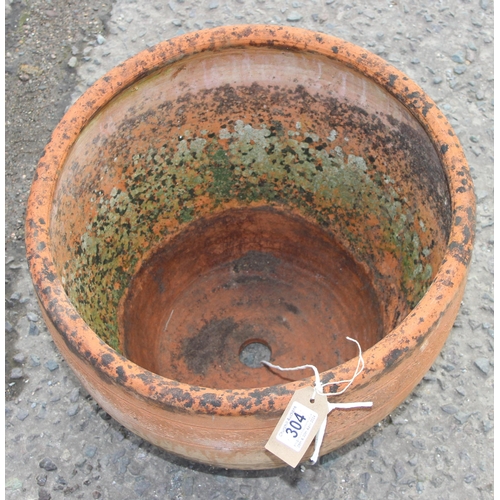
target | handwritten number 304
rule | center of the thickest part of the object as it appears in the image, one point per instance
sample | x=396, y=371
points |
x=295, y=425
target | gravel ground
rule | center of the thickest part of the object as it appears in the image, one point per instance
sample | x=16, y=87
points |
x=438, y=444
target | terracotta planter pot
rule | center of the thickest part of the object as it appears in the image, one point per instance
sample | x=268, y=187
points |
x=243, y=193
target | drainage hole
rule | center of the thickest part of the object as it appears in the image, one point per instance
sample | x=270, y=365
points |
x=252, y=352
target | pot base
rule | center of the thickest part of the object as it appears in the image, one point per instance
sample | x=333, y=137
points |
x=242, y=284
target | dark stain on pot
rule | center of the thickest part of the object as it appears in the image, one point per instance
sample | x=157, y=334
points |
x=209, y=399
x=210, y=344
x=182, y=398
x=122, y=377
x=292, y=308
x=107, y=359
x=262, y=262
x=243, y=404
x=392, y=79
x=394, y=356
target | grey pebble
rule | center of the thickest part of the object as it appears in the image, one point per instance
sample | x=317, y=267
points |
x=399, y=470
x=44, y=494
x=471, y=56
x=47, y=464
x=33, y=317
x=461, y=417
x=176, y=22
x=483, y=364
x=15, y=296
x=474, y=138
x=293, y=17
x=418, y=444
x=398, y=420
x=41, y=479
x=484, y=4
x=19, y=357
x=437, y=80
x=16, y=373
x=124, y=461
x=34, y=360
x=480, y=95
x=61, y=480
x=74, y=394
x=42, y=413
x=117, y=455
x=419, y=486
x=487, y=425
x=213, y=5
x=33, y=331
x=8, y=327
x=51, y=365
x=136, y=467
x=451, y=409
x=100, y=39
x=365, y=479
x=72, y=62
x=73, y=409
x=415, y=60
x=141, y=486
x=22, y=414
x=304, y=486
x=460, y=69
x=460, y=391
x=458, y=57
x=90, y=451
x=469, y=478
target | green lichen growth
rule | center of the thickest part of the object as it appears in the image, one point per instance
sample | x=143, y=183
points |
x=294, y=168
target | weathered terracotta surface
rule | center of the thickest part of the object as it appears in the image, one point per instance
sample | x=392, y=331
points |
x=242, y=184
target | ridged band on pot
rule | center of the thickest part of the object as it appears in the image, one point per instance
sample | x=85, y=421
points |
x=228, y=428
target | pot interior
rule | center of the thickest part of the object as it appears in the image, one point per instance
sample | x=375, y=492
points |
x=246, y=204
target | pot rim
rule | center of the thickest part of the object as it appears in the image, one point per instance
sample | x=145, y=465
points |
x=177, y=396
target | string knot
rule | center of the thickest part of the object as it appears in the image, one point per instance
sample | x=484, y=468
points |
x=318, y=390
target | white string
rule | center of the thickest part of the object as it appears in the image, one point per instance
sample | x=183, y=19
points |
x=168, y=321
x=317, y=384
x=318, y=388
x=359, y=368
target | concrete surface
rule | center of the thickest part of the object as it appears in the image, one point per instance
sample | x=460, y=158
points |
x=59, y=444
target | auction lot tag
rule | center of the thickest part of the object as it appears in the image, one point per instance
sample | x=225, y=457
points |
x=298, y=426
